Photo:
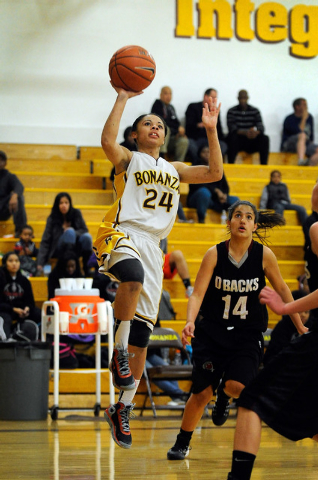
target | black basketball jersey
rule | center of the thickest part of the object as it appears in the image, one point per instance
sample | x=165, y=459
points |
x=231, y=299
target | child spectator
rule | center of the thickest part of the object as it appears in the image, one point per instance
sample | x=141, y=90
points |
x=16, y=296
x=275, y=196
x=27, y=251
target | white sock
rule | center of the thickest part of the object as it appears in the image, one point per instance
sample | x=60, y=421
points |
x=122, y=333
x=128, y=396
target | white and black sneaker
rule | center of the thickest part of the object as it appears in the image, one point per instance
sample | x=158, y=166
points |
x=178, y=453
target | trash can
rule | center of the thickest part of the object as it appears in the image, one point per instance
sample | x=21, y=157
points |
x=24, y=380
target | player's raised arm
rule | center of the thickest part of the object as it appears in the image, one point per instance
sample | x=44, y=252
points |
x=117, y=154
x=213, y=172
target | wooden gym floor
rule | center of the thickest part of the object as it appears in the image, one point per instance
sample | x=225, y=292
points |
x=79, y=447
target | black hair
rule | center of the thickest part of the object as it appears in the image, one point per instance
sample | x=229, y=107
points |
x=263, y=218
x=275, y=171
x=135, y=124
x=60, y=267
x=127, y=132
x=297, y=102
x=25, y=226
x=6, y=256
x=3, y=156
x=208, y=91
x=56, y=213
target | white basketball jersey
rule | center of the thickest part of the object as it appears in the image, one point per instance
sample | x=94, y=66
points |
x=149, y=198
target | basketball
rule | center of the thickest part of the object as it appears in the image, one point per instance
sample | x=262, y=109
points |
x=132, y=68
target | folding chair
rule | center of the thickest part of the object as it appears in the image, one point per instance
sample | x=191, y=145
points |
x=165, y=338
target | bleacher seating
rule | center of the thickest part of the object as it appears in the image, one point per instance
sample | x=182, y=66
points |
x=45, y=170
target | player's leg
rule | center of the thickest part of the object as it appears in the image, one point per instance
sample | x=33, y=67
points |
x=193, y=412
x=131, y=275
x=247, y=440
x=117, y=415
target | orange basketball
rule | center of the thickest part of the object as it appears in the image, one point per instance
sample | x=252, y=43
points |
x=132, y=68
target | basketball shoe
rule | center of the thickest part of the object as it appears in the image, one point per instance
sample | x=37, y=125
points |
x=221, y=408
x=117, y=416
x=119, y=366
x=177, y=452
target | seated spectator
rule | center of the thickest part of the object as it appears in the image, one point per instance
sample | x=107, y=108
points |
x=65, y=228
x=298, y=134
x=169, y=387
x=246, y=130
x=214, y=195
x=284, y=331
x=176, y=141
x=174, y=264
x=67, y=266
x=16, y=296
x=275, y=196
x=11, y=196
x=195, y=129
x=129, y=142
x=27, y=251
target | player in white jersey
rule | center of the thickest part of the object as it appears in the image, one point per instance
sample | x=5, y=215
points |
x=127, y=243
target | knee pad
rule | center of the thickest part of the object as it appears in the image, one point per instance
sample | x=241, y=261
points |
x=129, y=270
x=139, y=334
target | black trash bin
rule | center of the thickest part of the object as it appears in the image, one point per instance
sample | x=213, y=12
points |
x=24, y=380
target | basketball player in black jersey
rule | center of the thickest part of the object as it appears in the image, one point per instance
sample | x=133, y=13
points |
x=225, y=318
x=284, y=394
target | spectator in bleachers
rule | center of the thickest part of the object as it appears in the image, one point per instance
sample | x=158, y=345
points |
x=129, y=142
x=11, y=196
x=176, y=141
x=175, y=263
x=67, y=266
x=209, y=195
x=195, y=129
x=246, y=130
x=275, y=196
x=27, y=251
x=65, y=228
x=16, y=295
x=298, y=134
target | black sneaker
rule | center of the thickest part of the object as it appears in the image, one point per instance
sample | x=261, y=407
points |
x=178, y=453
x=119, y=366
x=117, y=417
x=230, y=477
x=221, y=409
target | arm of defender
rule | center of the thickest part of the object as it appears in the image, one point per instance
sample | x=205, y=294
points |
x=273, y=274
x=200, y=287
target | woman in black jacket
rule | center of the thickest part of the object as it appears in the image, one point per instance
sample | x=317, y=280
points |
x=16, y=296
x=65, y=227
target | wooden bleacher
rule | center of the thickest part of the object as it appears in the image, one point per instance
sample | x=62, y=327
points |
x=87, y=172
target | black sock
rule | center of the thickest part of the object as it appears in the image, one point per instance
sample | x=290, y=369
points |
x=186, y=282
x=184, y=438
x=242, y=465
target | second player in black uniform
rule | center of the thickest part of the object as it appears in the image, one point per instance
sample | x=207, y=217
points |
x=225, y=318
